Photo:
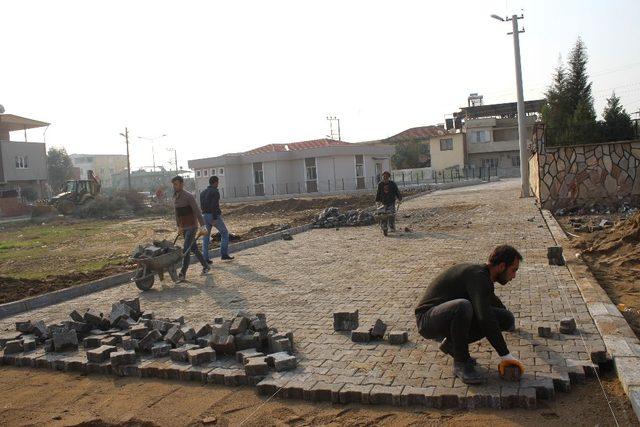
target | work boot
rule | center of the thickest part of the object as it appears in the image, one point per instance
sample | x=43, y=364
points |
x=181, y=278
x=205, y=270
x=467, y=373
x=446, y=346
x=384, y=231
x=226, y=258
x=209, y=261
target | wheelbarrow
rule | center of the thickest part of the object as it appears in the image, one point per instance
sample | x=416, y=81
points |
x=149, y=266
x=384, y=213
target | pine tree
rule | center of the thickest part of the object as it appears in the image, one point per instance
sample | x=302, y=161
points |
x=556, y=113
x=617, y=123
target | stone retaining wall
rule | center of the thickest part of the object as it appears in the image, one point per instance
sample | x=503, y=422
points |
x=580, y=174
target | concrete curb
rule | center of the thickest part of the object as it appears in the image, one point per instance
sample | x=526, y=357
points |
x=619, y=339
x=16, y=307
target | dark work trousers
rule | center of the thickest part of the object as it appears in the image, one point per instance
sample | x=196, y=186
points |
x=390, y=222
x=455, y=320
x=190, y=245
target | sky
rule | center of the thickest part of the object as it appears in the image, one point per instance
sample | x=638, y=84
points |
x=219, y=77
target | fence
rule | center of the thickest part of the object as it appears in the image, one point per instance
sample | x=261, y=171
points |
x=355, y=185
x=590, y=133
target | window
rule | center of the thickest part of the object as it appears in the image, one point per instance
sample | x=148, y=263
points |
x=359, y=165
x=198, y=173
x=489, y=163
x=205, y=172
x=221, y=171
x=310, y=166
x=258, y=175
x=515, y=161
x=213, y=171
x=22, y=162
x=476, y=136
x=446, y=144
x=425, y=148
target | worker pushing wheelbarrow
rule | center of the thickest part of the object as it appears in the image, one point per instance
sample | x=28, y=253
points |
x=386, y=197
x=167, y=256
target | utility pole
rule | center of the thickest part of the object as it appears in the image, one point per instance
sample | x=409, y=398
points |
x=331, y=119
x=522, y=138
x=153, y=152
x=175, y=157
x=126, y=139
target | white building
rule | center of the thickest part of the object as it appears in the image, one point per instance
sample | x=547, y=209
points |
x=318, y=166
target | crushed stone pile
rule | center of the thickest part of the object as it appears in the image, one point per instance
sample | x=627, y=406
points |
x=332, y=217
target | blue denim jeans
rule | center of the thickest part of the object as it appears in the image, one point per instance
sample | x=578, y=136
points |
x=190, y=245
x=218, y=223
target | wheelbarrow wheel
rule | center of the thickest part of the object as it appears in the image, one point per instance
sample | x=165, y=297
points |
x=144, y=283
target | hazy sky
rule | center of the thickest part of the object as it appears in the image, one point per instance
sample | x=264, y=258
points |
x=222, y=77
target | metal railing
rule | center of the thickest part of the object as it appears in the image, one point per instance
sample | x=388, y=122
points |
x=351, y=185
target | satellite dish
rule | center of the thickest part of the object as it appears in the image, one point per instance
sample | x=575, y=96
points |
x=1, y=109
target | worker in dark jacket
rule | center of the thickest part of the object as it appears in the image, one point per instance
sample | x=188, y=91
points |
x=460, y=307
x=386, y=197
x=188, y=216
x=210, y=203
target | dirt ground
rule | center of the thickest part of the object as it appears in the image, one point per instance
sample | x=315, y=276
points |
x=36, y=397
x=41, y=257
x=613, y=255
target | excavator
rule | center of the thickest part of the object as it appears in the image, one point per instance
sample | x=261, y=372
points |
x=77, y=193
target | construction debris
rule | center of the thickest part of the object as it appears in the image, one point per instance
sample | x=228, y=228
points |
x=398, y=337
x=332, y=218
x=544, y=331
x=346, y=320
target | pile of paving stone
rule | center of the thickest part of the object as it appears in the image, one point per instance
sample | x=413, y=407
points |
x=347, y=320
x=625, y=209
x=331, y=217
x=128, y=338
x=154, y=249
x=583, y=225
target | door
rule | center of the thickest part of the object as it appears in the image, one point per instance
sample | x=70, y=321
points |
x=311, y=174
x=258, y=179
x=378, y=171
x=360, y=182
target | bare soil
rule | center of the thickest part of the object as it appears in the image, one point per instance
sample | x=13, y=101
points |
x=38, y=397
x=41, y=257
x=613, y=255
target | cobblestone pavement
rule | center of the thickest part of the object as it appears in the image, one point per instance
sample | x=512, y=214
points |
x=300, y=283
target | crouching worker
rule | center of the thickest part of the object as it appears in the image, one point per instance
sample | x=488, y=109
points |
x=460, y=307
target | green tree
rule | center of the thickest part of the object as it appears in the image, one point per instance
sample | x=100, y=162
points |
x=617, y=123
x=569, y=113
x=59, y=166
x=407, y=155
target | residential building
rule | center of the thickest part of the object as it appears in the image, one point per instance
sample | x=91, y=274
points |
x=440, y=149
x=103, y=165
x=317, y=166
x=23, y=165
x=492, y=134
x=144, y=180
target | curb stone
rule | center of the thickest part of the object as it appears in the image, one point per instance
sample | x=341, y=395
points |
x=621, y=343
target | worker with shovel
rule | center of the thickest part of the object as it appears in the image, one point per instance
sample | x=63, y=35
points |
x=386, y=197
x=188, y=217
x=460, y=307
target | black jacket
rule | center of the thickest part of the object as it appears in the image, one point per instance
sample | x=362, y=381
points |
x=210, y=201
x=388, y=193
x=473, y=283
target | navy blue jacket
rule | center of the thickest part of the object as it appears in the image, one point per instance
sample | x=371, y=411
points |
x=210, y=201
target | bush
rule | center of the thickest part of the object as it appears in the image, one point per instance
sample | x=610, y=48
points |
x=103, y=207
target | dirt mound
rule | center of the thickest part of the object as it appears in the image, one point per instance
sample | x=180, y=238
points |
x=614, y=258
x=12, y=289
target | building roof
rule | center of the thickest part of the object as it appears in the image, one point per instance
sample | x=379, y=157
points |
x=504, y=110
x=417, y=133
x=11, y=123
x=296, y=146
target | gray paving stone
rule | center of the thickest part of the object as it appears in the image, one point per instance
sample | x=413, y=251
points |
x=180, y=354
x=122, y=358
x=398, y=337
x=345, y=320
x=201, y=356
x=100, y=354
x=361, y=335
x=160, y=349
